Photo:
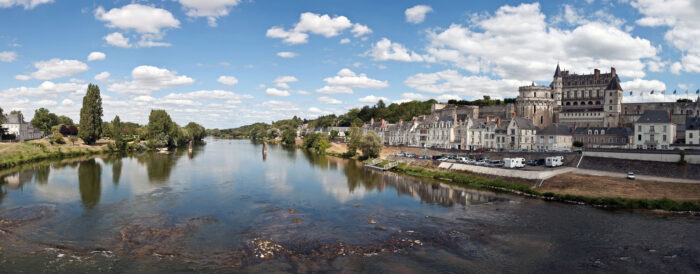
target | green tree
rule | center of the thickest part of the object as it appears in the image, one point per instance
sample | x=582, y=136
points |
x=196, y=131
x=43, y=120
x=160, y=128
x=91, y=115
x=355, y=139
x=65, y=120
x=116, y=133
x=2, y=121
x=14, y=111
x=289, y=136
x=317, y=142
x=371, y=145
x=334, y=134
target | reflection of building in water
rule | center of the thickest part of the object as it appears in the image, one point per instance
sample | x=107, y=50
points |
x=17, y=179
x=441, y=194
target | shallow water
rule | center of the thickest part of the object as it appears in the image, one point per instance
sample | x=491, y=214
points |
x=226, y=208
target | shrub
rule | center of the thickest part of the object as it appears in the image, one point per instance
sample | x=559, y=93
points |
x=57, y=138
x=371, y=145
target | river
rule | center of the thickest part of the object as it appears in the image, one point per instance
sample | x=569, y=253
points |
x=225, y=208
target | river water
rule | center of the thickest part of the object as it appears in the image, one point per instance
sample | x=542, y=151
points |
x=226, y=208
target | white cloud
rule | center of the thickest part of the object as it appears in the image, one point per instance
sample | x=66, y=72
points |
x=55, y=68
x=8, y=56
x=517, y=43
x=102, y=76
x=447, y=97
x=640, y=85
x=211, y=9
x=283, y=81
x=67, y=102
x=46, y=103
x=148, y=21
x=335, y=90
x=118, y=40
x=96, y=56
x=23, y=77
x=47, y=89
x=27, y=4
x=473, y=86
x=344, y=41
x=413, y=96
x=416, y=14
x=329, y=100
x=147, y=79
x=386, y=50
x=277, y=92
x=210, y=95
x=287, y=54
x=676, y=68
x=227, y=80
x=371, y=99
x=348, y=78
x=324, y=25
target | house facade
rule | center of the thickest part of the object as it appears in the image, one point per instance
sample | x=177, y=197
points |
x=654, y=130
x=554, y=137
x=692, y=131
x=603, y=137
x=15, y=124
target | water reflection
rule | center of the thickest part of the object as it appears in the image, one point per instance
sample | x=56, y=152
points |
x=90, y=182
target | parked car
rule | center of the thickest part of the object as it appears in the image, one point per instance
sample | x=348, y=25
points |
x=482, y=162
x=443, y=159
x=495, y=163
x=554, y=161
x=514, y=162
x=532, y=163
x=451, y=156
x=630, y=175
x=411, y=155
x=462, y=159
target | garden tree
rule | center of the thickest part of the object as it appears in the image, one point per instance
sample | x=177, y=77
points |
x=355, y=139
x=289, y=136
x=371, y=145
x=316, y=141
x=196, y=131
x=73, y=139
x=380, y=104
x=91, y=115
x=273, y=133
x=116, y=133
x=44, y=120
x=14, y=111
x=2, y=121
x=65, y=120
x=334, y=134
x=160, y=128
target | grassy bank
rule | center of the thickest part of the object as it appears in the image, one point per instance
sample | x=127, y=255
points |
x=525, y=189
x=13, y=154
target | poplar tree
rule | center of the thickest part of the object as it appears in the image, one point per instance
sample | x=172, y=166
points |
x=91, y=115
x=117, y=133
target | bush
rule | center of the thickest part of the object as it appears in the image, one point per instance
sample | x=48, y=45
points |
x=316, y=141
x=57, y=138
x=289, y=136
x=371, y=145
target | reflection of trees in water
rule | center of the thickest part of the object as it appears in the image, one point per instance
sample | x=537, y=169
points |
x=42, y=174
x=316, y=159
x=436, y=193
x=89, y=179
x=357, y=175
x=115, y=159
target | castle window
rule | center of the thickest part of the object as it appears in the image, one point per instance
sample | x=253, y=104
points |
x=597, y=102
x=610, y=108
x=611, y=101
x=568, y=103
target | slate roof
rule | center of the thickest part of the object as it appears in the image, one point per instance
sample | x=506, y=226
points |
x=618, y=131
x=654, y=116
x=614, y=84
x=692, y=123
x=557, y=72
x=524, y=123
x=13, y=119
x=555, y=129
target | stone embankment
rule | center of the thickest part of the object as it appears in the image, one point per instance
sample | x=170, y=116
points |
x=503, y=172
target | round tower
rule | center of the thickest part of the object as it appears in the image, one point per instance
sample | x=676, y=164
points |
x=536, y=103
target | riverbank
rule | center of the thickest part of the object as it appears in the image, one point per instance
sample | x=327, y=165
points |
x=692, y=204
x=13, y=154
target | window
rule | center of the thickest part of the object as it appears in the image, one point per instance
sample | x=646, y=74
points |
x=664, y=128
x=639, y=128
x=639, y=137
x=663, y=137
x=610, y=108
x=651, y=128
x=691, y=135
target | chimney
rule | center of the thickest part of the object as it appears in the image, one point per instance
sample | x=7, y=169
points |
x=596, y=72
x=498, y=121
x=371, y=121
x=487, y=119
x=612, y=71
x=383, y=123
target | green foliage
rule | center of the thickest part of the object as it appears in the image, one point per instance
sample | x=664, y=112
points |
x=72, y=139
x=334, y=134
x=578, y=144
x=682, y=161
x=65, y=120
x=371, y=145
x=355, y=136
x=684, y=100
x=160, y=125
x=288, y=136
x=44, y=120
x=486, y=101
x=317, y=142
x=196, y=131
x=91, y=115
x=3, y=130
x=57, y=138
x=116, y=134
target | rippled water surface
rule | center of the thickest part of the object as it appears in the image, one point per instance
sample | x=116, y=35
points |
x=226, y=208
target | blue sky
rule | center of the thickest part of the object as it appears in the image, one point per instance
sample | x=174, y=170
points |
x=226, y=63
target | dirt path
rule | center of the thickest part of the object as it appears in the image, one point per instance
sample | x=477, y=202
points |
x=623, y=175
x=600, y=185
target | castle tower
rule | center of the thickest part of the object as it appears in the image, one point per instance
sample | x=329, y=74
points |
x=613, y=102
x=557, y=86
x=536, y=103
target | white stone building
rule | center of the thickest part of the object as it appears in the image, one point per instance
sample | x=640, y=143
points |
x=692, y=131
x=654, y=130
x=15, y=124
x=554, y=137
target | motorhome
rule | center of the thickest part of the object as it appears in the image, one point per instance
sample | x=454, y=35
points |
x=514, y=162
x=554, y=161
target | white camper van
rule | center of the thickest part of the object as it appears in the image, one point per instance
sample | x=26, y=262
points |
x=554, y=161
x=514, y=162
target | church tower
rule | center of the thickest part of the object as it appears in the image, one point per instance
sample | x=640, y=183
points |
x=613, y=102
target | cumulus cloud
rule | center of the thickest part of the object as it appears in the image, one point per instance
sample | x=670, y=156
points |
x=55, y=68
x=8, y=56
x=324, y=25
x=96, y=56
x=416, y=14
x=287, y=54
x=410, y=96
x=227, y=80
x=472, y=86
x=150, y=22
x=335, y=90
x=329, y=100
x=147, y=79
x=47, y=89
x=210, y=95
x=371, y=99
x=348, y=78
x=344, y=41
x=27, y=4
x=495, y=44
x=211, y=9
x=386, y=50
x=277, y=92
x=283, y=81
x=102, y=76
